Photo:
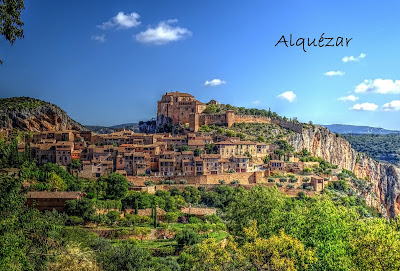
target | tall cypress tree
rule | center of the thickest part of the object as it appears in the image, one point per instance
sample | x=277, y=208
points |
x=155, y=217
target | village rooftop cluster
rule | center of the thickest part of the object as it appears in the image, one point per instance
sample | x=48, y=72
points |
x=193, y=158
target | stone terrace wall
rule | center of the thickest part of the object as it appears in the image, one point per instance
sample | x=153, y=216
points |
x=244, y=178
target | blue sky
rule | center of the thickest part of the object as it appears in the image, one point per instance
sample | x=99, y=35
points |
x=108, y=63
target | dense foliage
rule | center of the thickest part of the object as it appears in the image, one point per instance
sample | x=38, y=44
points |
x=19, y=103
x=380, y=147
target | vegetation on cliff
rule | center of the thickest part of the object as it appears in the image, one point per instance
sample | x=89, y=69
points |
x=20, y=103
x=31, y=114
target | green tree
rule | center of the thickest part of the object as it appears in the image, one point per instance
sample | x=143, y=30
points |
x=210, y=109
x=10, y=20
x=279, y=252
x=187, y=237
x=205, y=128
x=211, y=148
x=197, y=152
x=377, y=247
x=117, y=186
x=26, y=235
x=113, y=216
x=184, y=148
x=124, y=256
x=171, y=217
x=83, y=208
x=142, y=232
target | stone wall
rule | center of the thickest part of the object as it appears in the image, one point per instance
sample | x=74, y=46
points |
x=294, y=126
x=243, y=178
x=251, y=119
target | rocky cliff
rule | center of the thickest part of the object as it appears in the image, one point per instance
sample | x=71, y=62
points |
x=385, y=177
x=34, y=115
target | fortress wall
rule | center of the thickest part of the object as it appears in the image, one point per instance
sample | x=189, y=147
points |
x=296, y=127
x=213, y=119
x=251, y=119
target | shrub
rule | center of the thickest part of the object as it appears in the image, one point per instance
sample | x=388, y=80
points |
x=122, y=233
x=171, y=217
x=148, y=183
x=283, y=180
x=220, y=227
x=163, y=251
x=213, y=219
x=340, y=185
x=113, y=215
x=309, y=188
x=305, y=179
x=74, y=220
x=201, y=188
x=182, y=181
x=293, y=180
x=187, y=237
x=169, y=182
x=290, y=186
x=235, y=182
x=194, y=220
x=301, y=195
x=221, y=181
x=271, y=180
x=279, y=184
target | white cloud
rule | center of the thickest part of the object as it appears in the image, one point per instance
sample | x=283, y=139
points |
x=214, y=82
x=382, y=86
x=121, y=21
x=334, y=73
x=352, y=58
x=288, y=95
x=351, y=98
x=256, y=102
x=365, y=107
x=392, y=106
x=99, y=38
x=163, y=33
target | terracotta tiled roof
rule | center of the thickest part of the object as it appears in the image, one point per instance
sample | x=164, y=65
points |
x=211, y=156
x=177, y=93
x=225, y=143
x=195, y=142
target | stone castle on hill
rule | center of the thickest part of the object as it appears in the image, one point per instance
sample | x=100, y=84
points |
x=182, y=108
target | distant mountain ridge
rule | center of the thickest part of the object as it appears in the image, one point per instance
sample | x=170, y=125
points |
x=354, y=129
x=109, y=129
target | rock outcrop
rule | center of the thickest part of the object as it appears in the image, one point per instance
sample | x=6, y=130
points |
x=385, y=177
x=30, y=114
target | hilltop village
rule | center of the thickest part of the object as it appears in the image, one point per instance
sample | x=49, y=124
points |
x=210, y=177
x=194, y=157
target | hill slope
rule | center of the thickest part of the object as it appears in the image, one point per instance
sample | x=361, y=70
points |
x=381, y=147
x=35, y=115
x=109, y=129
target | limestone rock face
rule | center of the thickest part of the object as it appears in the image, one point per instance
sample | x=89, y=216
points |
x=320, y=141
x=41, y=117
